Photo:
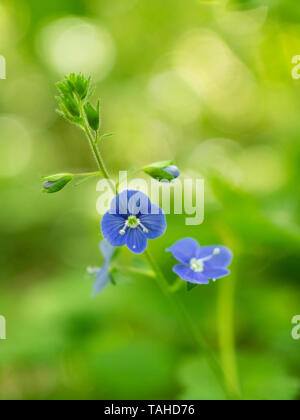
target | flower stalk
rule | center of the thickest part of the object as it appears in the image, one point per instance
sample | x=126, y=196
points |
x=166, y=289
x=93, y=141
x=226, y=334
x=187, y=321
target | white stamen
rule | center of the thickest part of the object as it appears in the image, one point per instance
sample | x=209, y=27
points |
x=123, y=230
x=145, y=230
x=217, y=251
x=132, y=222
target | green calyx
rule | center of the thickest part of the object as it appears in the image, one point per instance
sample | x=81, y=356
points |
x=55, y=183
x=93, y=115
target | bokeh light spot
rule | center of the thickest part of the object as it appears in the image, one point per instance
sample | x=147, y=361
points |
x=77, y=45
x=15, y=147
x=172, y=95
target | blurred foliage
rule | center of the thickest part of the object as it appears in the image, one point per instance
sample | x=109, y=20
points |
x=205, y=83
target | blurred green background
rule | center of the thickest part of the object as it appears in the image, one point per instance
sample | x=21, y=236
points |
x=207, y=83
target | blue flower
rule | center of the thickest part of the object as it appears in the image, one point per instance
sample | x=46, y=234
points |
x=103, y=274
x=200, y=264
x=132, y=220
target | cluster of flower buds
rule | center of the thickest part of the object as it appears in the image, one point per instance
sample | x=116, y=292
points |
x=74, y=93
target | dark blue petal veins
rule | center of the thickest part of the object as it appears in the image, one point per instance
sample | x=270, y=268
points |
x=155, y=223
x=136, y=241
x=132, y=220
x=111, y=227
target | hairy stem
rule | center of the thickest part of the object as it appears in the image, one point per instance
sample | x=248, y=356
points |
x=93, y=144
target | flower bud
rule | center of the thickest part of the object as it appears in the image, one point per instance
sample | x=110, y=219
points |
x=93, y=115
x=173, y=171
x=79, y=84
x=55, y=183
x=162, y=171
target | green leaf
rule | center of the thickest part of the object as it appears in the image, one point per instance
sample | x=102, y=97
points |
x=55, y=183
x=158, y=171
x=93, y=115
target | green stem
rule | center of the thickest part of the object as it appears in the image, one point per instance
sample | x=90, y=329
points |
x=88, y=174
x=135, y=271
x=189, y=324
x=93, y=145
x=227, y=334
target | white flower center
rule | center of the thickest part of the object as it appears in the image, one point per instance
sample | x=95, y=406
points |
x=197, y=265
x=132, y=223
